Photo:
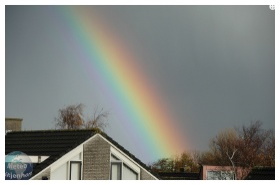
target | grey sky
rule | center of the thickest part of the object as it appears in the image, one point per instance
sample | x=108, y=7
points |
x=215, y=65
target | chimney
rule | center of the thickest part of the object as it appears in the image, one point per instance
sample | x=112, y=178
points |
x=12, y=124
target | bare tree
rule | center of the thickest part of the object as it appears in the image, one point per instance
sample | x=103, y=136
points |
x=208, y=157
x=245, y=147
x=71, y=117
x=195, y=156
x=99, y=120
x=254, y=144
x=224, y=146
x=268, y=150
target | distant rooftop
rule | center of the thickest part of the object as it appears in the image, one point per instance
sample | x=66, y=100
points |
x=261, y=173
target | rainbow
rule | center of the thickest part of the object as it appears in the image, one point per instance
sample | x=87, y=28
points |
x=117, y=72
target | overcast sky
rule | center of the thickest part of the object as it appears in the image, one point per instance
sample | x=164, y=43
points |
x=213, y=64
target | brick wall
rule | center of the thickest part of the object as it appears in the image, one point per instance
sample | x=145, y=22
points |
x=96, y=159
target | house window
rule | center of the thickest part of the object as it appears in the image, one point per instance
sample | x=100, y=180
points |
x=220, y=175
x=116, y=170
x=75, y=170
x=121, y=171
x=129, y=174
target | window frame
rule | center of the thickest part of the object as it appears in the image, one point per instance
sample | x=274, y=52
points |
x=70, y=169
x=133, y=171
x=119, y=158
x=121, y=166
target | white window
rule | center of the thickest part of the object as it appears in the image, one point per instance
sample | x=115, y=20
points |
x=220, y=175
x=116, y=170
x=121, y=171
x=129, y=174
x=60, y=173
x=75, y=170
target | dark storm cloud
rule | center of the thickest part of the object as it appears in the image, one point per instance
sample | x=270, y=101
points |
x=214, y=64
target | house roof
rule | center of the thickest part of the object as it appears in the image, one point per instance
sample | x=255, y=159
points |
x=261, y=173
x=44, y=142
x=55, y=143
x=178, y=176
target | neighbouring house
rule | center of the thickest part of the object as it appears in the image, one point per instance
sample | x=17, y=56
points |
x=76, y=154
x=261, y=173
x=209, y=172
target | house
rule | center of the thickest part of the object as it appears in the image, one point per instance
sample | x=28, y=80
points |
x=75, y=155
x=210, y=172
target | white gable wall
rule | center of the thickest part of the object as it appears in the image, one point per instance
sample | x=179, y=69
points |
x=61, y=168
x=60, y=173
x=123, y=158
